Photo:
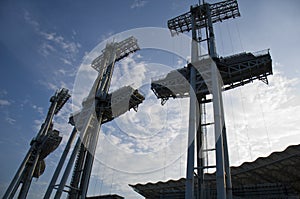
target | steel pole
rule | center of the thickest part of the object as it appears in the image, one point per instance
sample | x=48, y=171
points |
x=67, y=170
x=219, y=123
x=226, y=155
x=189, y=189
x=60, y=164
x=10, y=190
x=211, y=40
x=89, y=161
x=26, y=185
x=200, y=156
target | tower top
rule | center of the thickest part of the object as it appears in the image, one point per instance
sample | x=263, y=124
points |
x=218, y=12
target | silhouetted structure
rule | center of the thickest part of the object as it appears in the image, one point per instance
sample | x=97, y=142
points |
x=46, y=141
x=209, y=74
x=275, y=176
x=98, y=108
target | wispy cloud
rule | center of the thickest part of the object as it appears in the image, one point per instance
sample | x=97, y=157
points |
x=138, y=4
x=38, y=109
x=4, y=102
x=54, y=42
x=10, y=120
x=49, y=85
x=257, y=116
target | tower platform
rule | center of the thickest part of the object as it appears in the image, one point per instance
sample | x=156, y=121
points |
x=235, y=70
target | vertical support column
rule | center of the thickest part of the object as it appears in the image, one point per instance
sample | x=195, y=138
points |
x=189, y=189
x=101, y=92
x=200, y=157
x=220, y=144
x=67, y=170
x=60, y=164
x=10, y=192
x=89, y=160
x=211, y=35
x=219, y=124
x=26, y=184
x=33, y=156
x=226, y=156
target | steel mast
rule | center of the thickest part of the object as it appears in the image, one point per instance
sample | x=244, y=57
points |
x=46, y=141
x=202, y=17
x=97, y=109
x=213, y=75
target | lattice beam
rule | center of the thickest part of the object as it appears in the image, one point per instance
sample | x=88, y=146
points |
x=117, y=103
x=61, y=97
x=235, y=71
x=122, y=49
x=219, y=12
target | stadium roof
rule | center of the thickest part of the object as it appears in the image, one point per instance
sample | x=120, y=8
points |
x=275, y=175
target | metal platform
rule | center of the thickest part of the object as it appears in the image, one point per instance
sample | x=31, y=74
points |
x=122, y=49
x=236, y=70
x=117, y=103
x=120, y=101
x=219, y=11
x=51, y=143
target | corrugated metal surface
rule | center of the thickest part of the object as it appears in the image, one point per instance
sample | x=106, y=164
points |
x=277, y=175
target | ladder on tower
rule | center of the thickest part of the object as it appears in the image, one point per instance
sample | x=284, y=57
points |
x=206, y=149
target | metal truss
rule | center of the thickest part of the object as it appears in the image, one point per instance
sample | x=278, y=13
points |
x=61, y=98
x=121, y=101
x=122, y=49
x=236, y=70
x=98, y=108
x=118, y=103
x=218, y=11
x=46, y=141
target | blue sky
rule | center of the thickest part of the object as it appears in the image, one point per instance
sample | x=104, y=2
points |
x=42, y=45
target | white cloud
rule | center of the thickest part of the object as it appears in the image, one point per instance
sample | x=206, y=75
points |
x=54, y=42
x=10, y=120
x=4, y=102
x=129, y=72
x=30, y=21
x=38, y=109
x=49, y=85
x=70, y=48
x=138, y=4
x=46, y=49
x=262, y=118
x=65, y=61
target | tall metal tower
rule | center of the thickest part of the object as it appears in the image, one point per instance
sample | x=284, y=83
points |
x=99, y=108
x=46, y=141
x=209, y=76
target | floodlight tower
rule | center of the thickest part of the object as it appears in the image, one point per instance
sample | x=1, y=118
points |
x=209, y=76
x=46, y=141
x=202, y=17
x=98, y=108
